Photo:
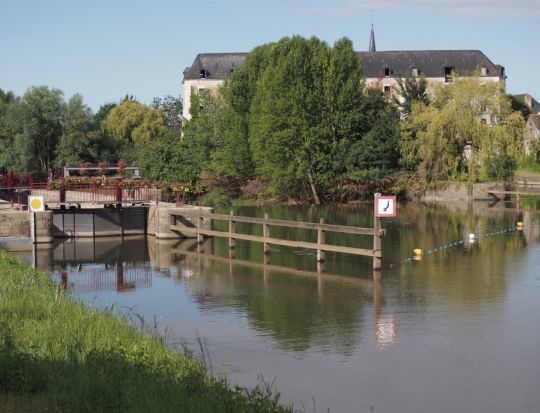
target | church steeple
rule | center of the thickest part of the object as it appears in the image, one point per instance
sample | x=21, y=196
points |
x=372, y=47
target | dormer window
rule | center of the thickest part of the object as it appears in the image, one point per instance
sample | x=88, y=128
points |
x=448, y=71
x=386, y=71
x=203, y=74
x=483, y=71
x=414, y=72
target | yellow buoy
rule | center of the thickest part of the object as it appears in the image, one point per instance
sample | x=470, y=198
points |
x=519, y=225
x=418, y=252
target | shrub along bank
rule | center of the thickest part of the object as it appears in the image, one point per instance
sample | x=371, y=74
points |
x=57, y=355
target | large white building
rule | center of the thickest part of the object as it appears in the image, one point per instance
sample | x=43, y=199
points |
x=381, y=69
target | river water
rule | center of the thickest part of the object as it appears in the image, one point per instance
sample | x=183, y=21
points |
x=457, y=331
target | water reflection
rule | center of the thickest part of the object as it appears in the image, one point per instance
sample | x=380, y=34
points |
x=299, y=303
x=317, y=325
x=294, y=300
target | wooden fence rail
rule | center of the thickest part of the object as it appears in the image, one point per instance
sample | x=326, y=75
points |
x=320, y=246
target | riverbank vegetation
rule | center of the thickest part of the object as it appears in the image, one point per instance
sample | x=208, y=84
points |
x=56, y=355
x=295, y=123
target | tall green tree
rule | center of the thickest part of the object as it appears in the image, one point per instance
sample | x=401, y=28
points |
x=132, y=125
x=308, y=110
x=108, y=149
x=469, y=131
x=6, y=141
x=172, y=110
x=34, y=127
x=80, y=141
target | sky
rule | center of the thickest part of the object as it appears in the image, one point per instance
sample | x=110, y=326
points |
x=107, y=49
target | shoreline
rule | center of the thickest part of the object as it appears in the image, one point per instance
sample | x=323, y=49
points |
x=58, y=355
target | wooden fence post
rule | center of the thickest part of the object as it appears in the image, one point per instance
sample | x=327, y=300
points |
x=200, y=237
x=232, y=229
x=266, y=234
x=320, y=240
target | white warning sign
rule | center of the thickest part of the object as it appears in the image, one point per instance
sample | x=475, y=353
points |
x=386, y=207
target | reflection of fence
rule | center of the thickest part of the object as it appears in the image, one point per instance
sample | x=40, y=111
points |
x=178, y=224
x=121, y=278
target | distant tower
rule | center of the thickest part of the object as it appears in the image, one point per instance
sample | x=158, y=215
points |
x=372, y=47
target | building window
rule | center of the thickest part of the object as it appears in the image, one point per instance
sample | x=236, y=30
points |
x=386, y=71
x=483, y=71
x=203, y=74
x=387, y=90
x=414, y=71
x=448, y=71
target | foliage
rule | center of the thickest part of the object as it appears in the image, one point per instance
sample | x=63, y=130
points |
x=530, y=162
x=133, y=125
x=215, y=198
x=411, y=89
x=467, y=133
x=519, y=105
x=79, y=141
x=172, y=109
x=56, y=355
x=132, y=122
x=32, y=129
x=377, y=153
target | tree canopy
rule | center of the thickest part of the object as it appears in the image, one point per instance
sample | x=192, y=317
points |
x=467, y=132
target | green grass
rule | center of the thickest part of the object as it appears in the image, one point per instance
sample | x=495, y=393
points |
x=529, y=164
x=60, y=356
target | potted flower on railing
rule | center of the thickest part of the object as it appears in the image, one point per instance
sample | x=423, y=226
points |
x=56, y=184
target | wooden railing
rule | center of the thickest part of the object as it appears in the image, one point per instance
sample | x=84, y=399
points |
x=184, y=227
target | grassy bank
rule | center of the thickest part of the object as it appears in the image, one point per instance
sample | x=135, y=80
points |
x=59, y=356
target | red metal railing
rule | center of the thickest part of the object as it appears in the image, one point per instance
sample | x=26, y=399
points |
x=106, y=194
x=12, y=180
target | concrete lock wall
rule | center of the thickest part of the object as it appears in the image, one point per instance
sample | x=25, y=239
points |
x=41, y=227
x=462, y=192
x=14, y=223
x=159, y=220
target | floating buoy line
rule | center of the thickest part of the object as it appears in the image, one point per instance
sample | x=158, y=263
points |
x=418, y=253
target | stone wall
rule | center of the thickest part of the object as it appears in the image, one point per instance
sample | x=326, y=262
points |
x=19, y=224
x=457, y=191
x=14, y=223
x=159, y=219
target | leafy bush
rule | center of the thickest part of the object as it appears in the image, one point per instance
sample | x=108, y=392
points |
x=215, y=198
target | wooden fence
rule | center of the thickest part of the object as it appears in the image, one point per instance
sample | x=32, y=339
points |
x=183, y=226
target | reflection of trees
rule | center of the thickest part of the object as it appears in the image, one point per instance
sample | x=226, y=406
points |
x=297, y=311
x=299, y=308
x=466, y=273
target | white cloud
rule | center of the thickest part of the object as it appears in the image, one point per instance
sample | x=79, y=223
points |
x=514, y=8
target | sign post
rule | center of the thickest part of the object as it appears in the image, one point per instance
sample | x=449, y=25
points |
x=35, y=204
x=384, y=207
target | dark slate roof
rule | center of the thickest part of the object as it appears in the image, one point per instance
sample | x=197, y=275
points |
x=217, y=65
x=430, y=63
